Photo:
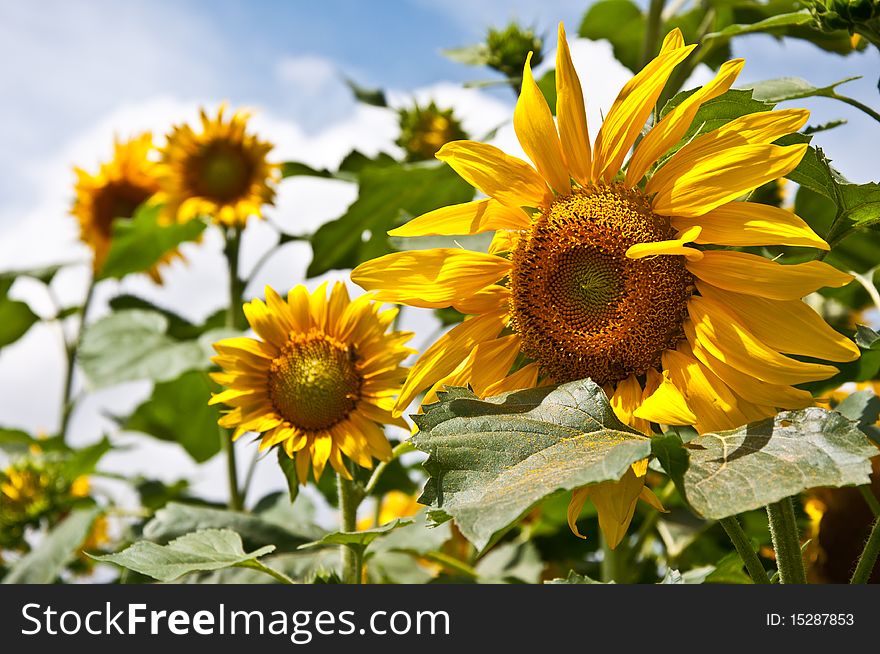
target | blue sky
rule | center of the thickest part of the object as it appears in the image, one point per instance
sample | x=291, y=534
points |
x=75, y=74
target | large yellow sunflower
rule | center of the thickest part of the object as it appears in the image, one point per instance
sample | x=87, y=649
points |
x=118, y=188
x=221, y=172
x=594, y=269
x=322, y=380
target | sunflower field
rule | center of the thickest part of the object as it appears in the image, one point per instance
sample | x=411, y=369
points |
x=604, y=308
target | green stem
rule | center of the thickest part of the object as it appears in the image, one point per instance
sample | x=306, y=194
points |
x=651, y=519
x=352, y=556
x=745, y=550
x=786, y=542
x=858, y=105
x=400, y=448
x=275, y=574
x=871, y=499
x=451, y=563
x=868, y=557
x=71, y=349
x=612, y=561
x=234, y=320
x=681, y=74
x=652, y=30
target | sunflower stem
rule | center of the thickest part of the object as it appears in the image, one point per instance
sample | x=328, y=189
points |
x=400, y=448
x=352, y=556
x=870, y=499
x=652, y=30
x=613, y=561
x=70, y=348
x=745, y=550
x=786, y=542
x=234, y=320
x=869, y=557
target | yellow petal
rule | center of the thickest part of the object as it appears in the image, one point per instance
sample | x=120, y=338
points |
x=536, y=132
x=509, y=180
x=446, y=353
x=615, y=502
x=488, y=362
x=467, y=218
x=673, y=127
x=578, y=497
x=525, y=377
x=571, y=114
x=491, y=298
x=707, y=182
x=673, y=247
x=751, y=223
x=789, y=326
x=722, y=334
x=666, y=405
x=430, y=278
x=630, y=111
x=751, y=274
x=647, y=495
x=673, y=39
x=747, y=386
x=626, y=399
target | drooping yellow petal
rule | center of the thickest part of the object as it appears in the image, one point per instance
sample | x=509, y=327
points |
x=537, y=134
x=789, y=326
x=509, y=180
x=751, y=274
x=467, y=218
x=578, y=497
x=615, y=502
x=707, y=182
x=571, y=115
x=666, y=405
x=630, y=111
x=430, y=278
x=673, y=127
x=671, y=247
x=752, y=223
x=723, y=335
x=446, y=353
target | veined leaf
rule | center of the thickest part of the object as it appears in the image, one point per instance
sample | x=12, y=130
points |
x=491, y=460
x=16, y=317
x=356, y=538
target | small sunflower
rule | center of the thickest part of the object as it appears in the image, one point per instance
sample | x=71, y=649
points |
x=221, y=172
x=594, y=271
x=118, y=188
x=424, y=130
x=322, y=380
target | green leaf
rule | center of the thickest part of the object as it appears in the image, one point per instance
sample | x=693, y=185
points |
x=416, y=537
x=793, y=88
x=84, y=461
x=177, y=519
x=622, y=23
x=746, y=468
x=511, y=563
x=772, y=24
x=729, y=570
x=16, y=317
x=209, y=549
x=374, y=97
x=288, y=467
x=573, y=578
x=299, y=169
x=45, y=563
x=140, y=242
x=491, y=460
x=178, y=327
x=670, y=452
x=178, y=412
x=387, y=197
x=134, y=344
x=547, y=84
x=862, y=407
x=867, y=338
x=470, y=55
x=356, y=538
x=16, y=441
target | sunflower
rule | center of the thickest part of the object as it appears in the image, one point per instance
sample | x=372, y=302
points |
x=322, y=380
x=118, y=188
x=595, y=269
x=219, y=172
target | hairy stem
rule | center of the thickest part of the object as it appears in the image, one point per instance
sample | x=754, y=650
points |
x=352, y=555
x=786, y=542
x=745, y=550
x=869, y=557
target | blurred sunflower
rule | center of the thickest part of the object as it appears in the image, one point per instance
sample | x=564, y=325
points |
x=593, y=270
x=424, y=130
x=322, y=380
x=221, y=171
x=118, y=188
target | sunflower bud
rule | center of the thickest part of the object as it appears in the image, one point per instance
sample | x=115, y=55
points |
x=847, y=15
x=508, y=49
x=424, y=130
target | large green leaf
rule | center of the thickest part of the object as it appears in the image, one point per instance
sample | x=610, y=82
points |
x=175, y=520
x=361, y=539
x=134, y=344
x=16, y=317
x=178, y=327
x=209, y=549
x=178, y=412
x=491, y=460
x=140, y=242
x=622, y=23
x=771, y=24
x=746, y=468
x=387, y=197
x=794, y=88
x=46, y=561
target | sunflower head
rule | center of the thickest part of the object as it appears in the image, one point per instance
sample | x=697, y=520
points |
x=320, y=380
x=219, y=170
x=118, y=188
x=847, y=15
x=509, y=47
x=424, y=130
